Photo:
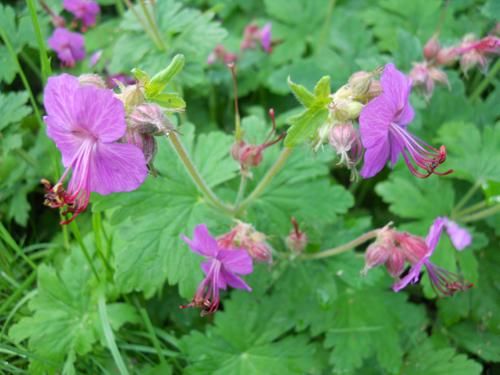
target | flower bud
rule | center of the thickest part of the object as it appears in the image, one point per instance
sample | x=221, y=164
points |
x=296, y=240
x=148, y=119
x=395, y=263
x=374, y=91
x=376, y=254
x=92, y=80
x=251, y=155
x=245, y=236
x=345, y=110
x=131, y=96
x=347, y=143
x=360, y=83
x=412, y=247
x=446, y=56
x=431, y=48
x=146, y=142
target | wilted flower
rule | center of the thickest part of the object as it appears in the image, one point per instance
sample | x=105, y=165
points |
x=221, y=268
x=86, y=122
x=383, y=124
x=244, y=236
x=253, y=34
x=83, y=10
x=297, y=239
x=444, y=282
x=475, y=52
x=385, y=251
x=425, y=75
x=69, y=46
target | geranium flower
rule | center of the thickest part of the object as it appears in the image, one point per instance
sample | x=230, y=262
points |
x=83, y=10
x=443, y=281
x=221, y=268
x=86, y=122
x=383, y=123
x=69, y=46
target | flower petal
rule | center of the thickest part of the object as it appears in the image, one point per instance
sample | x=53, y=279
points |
x=396, y=87
x=411, y=278
x=116, y=167
x=460, y=237
x=236, y=261
x=100, y=113
x=375, y=159
x=235, y=281
x=202, y=243
x=434, y=234
x=374, y=121
x=396, y=148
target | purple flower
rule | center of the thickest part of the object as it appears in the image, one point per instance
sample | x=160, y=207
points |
x=221, y=269
x=84, y=10
x=69, y=46
x=265, y=37
x=86, y=122
x=460, y=237
x=383, y=124
x=445, y=283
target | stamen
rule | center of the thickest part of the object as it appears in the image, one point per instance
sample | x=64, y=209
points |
x=418, y=154
x=444, y=282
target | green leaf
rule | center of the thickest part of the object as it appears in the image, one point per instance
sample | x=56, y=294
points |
x=472, y=154
x=414, y=198
x=160, y=80
x=170, y=101
x=322, y=89
x=303, y=95
x=477, y=341
x=13, y=108
x=246, y=340
x=153, y=217
x=371, y=322
x=305, y=125
x=426, y=359
x=8, y=71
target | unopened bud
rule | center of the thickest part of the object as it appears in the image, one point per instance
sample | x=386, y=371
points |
x=376, y=254
x=446, y=56
x=374, y=91
x=245, y=236
x=431, y=48
x=345, y=110
x=347, y=143
x=360, y=83
x=296, y=240
x=91, y=80
x=148, y=119
x=413, y=248
x=251, y=155
x=146, y=142
x=131, y=96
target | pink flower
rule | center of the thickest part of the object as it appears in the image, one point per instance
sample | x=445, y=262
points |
x=86, y=122
x=254, y=34
x=265, y=37
x=460, y=237
x=444, y=282
x=221, y=268
x=221, y=54
x=383, y=123
x=69, y=46
x=84, y=10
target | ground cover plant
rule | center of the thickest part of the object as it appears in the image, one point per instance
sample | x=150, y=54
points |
x=249, y=187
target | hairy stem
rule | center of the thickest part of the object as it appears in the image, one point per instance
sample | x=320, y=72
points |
x=143, y=23
x=481, y=214
x=261, y=187
x=485, y=82
x=79, y=239
x=470, y=209
x=241, y=189
x=345, y=247
x=466, y=197
x=195, y=174
x=152, y=25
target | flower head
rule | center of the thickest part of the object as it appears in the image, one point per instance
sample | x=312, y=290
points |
x=344, y=138
x=86, y=122
x=297, y=239
x=475, y=52
x=221, y=268
x=69, y=46
x=425, y=76
x=83, y=10
x=246, y=237
x=383, y=123
x=444, y=282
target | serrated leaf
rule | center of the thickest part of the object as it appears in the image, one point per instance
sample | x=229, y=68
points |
x=153, y=218
x=426, y=359
x=13, y=108
x=473, y=155
x=245, y=339
x=477, y=341
x=322, y=89
x=303, y=95
x=414, y=198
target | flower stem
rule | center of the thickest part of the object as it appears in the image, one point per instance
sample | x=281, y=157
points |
x=42, y=50
x=195, y=174
x=79, y=239
x=345, y=247
x=259, y=189
x=144, y=25
x=152, y=25
x=466, y=198
x=241, y=189
x=481, y=214
x=475, y=207
x=485, y=82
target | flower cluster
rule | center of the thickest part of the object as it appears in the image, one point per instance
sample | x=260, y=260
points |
x=394, y=249
x=470, y=52
x=70, y=45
